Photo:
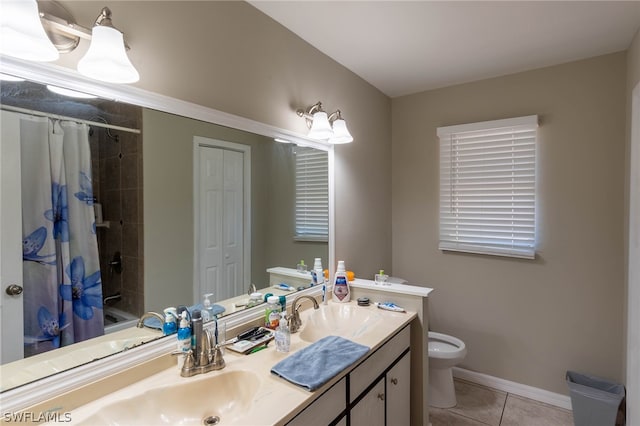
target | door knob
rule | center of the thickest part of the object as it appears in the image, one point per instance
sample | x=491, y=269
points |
x=14, y=290
x=394, y=381
x=381, y=396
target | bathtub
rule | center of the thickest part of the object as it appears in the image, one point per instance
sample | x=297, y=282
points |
x=116, y=319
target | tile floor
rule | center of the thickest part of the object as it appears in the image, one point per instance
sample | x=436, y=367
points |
x=480, y=406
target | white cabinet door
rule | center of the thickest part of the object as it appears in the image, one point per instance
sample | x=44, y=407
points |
x=399, y=392
x=324, y=409
x=369, y=411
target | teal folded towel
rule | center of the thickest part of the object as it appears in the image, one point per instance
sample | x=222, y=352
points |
x=319, y=362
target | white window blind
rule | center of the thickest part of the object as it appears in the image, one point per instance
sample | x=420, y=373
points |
x=312, y=194
x=488, y=187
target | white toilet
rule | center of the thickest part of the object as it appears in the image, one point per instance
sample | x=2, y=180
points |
x=444, y=352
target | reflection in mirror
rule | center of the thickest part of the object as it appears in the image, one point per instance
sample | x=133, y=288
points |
x=175, y=227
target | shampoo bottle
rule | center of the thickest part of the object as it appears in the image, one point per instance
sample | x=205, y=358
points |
x=341, y=291
x=184, y=334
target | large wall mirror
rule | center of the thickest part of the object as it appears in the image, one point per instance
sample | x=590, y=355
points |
x=176, y=207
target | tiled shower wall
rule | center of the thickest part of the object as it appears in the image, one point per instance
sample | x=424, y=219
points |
x=117, y=173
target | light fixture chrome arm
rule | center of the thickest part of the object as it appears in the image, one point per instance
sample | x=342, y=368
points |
x=308, y=115
x=336, y=115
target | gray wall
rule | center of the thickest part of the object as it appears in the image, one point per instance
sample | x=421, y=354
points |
x=513, y=314
x=632, y=243
x=168, y=198
x=229, y=56
x=526, y=321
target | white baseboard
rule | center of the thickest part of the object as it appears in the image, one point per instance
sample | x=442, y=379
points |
x=537, y=394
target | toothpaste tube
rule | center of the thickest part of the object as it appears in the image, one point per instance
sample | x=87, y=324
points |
x=390, y=306
x=285, y=287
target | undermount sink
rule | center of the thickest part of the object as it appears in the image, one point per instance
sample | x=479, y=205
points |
x=217, y=399
x=349, y=321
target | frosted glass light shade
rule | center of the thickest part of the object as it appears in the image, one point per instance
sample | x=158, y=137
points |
x=340, y=132
x=106, y=59
x=320, y=128
x=21, y=32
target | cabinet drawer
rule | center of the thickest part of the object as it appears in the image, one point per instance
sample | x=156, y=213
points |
x=366, y=373
x=324, y=409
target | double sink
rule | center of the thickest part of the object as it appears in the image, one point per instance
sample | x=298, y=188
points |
x=244, y=392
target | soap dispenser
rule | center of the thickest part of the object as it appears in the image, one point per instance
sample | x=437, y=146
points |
x=283, y=335
x=341, y=291
x=207, y=311
x=169, y=326
x=184, y=334
x=301, y=267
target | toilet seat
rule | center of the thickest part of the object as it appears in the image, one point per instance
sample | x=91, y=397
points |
x=445, y=346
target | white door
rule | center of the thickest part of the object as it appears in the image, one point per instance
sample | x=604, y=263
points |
x=221, y=222
x=11, y=321
x=232, y=225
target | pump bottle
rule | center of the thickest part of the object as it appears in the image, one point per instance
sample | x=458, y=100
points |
x=283, y=335
x=207, y=311
x=169, y=326
x=184, y=334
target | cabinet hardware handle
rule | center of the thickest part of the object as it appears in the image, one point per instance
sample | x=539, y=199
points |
x=381, y=396
x=394, y=381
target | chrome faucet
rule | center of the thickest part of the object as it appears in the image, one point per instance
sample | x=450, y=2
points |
x=208, y=359
x=149, y=315
x=294, y=320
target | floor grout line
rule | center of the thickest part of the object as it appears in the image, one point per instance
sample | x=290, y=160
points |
x=461, y=413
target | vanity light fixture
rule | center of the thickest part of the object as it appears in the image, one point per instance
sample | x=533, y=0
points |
x=39, y=31
x=331, y=128
x=21, y=33
x=106, y=59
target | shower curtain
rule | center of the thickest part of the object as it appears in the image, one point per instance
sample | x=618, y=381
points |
x=62, y=285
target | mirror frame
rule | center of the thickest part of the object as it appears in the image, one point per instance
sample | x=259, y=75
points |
x=24, y=396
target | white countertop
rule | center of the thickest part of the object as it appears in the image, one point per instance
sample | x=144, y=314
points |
x=276, y=401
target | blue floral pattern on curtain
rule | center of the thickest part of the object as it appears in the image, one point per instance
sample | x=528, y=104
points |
x=62, y=285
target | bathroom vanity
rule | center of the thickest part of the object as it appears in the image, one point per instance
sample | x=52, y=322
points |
x=246, y=392
x=377, y=385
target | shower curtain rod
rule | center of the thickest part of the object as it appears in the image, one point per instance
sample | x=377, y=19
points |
x=62, y=117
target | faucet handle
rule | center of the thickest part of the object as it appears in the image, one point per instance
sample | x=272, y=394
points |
x=189, y=362
x=217, y=362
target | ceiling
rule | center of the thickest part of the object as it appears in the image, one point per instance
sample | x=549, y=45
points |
x=408, y=47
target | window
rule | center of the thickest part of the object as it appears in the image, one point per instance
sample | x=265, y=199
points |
x=487, y=187
x=312, y=194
